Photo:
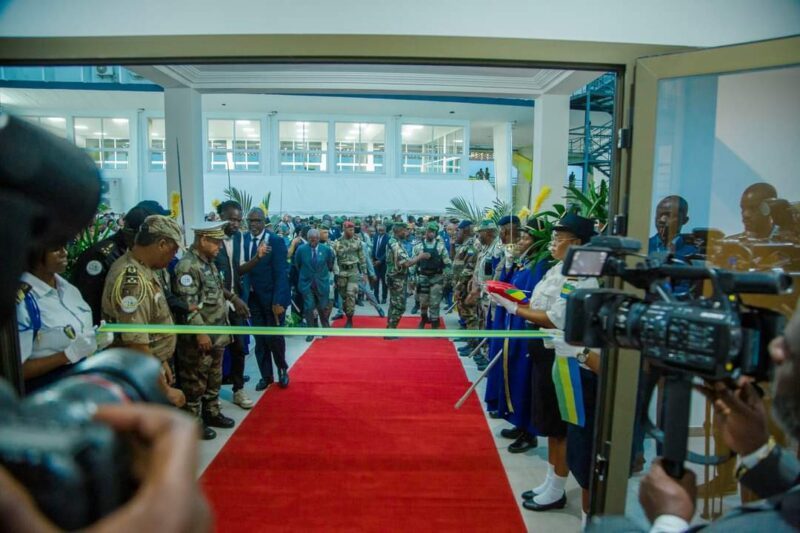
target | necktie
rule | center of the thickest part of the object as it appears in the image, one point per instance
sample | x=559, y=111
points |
x=313, y=255
x=253, y=248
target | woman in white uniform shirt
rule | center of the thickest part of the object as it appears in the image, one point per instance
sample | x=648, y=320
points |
x=55, y=322
x=547, y=310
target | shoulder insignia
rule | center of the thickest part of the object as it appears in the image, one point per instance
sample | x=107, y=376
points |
x=94, y=267
x=24, y=289
x=107, y=248
x=130, y=269
x=186, y=280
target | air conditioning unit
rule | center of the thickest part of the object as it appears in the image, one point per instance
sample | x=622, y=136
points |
x=104, y=72
x=111, y=193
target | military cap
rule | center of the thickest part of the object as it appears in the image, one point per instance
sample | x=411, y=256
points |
x=152, y=207
x=581, y=227
x=487, y=225
x=509, y=219
x=432, y=226
x=399, y=225
x=348, y=224
x=162, y=226
x=212, y=230
x=324, y=225
x=464, y=223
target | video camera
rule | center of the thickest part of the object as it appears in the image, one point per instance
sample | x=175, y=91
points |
x=713, y=337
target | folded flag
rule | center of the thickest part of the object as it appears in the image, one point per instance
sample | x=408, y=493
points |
x=567, y=381
x=507, y=291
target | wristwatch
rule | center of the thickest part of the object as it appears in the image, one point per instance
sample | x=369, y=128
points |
x=583, y=356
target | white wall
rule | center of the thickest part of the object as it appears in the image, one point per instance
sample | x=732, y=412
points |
x=678, y=22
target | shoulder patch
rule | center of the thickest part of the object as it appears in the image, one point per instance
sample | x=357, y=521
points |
x=186, y=280
x=129, y=304
x=94, y=267
x=24, y=289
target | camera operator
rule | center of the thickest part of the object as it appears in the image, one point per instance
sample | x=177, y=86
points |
x=548, y=310
x=766, y=469
x=54, y=321
x=168, y=499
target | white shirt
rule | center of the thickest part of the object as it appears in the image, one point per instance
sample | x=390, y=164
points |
x=246, y=253
x=64, y=314
x=550, y=295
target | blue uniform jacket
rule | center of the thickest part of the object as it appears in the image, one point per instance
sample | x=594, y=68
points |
x=269, y=279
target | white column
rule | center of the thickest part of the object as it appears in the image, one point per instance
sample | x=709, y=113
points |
x=502, y=147
x=550, y=147
x=184, y=129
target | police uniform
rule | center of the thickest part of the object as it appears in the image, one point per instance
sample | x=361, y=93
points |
x=352, y=263
x=430, y=276
x=396, y=276
x=49, y=319
x=198, y=283
x=133, y=294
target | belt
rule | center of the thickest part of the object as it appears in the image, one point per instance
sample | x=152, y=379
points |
x=347, y=267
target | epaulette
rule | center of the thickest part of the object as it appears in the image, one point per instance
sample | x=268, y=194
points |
x=107, y=248
x=24, y=289
x=131, y=276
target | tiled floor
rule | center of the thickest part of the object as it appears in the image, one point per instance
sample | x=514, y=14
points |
x=523, y=470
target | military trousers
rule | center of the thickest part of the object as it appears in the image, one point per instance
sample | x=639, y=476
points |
x=199, y=376
x=347, y=284
x=430, y=289
x=397, y=298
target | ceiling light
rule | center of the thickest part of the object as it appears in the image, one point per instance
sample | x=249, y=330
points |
x=98, y=133
x=57, y=119
x=81, y=127
x=119, y=120
x=243, y=122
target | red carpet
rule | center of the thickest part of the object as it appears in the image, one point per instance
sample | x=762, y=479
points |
x=365, y=439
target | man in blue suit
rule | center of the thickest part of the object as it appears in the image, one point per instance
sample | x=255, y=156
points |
x=314, y=264
x=379, y=242
x=266, y=284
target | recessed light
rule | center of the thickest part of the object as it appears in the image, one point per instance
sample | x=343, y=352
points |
x=119, y=120
x=57, y=119
x=81, y=127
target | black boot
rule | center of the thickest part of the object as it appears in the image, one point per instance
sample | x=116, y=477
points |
x=218, y=421
x=435, y=324
x=349, y=323
x=206, y=433
x=423, y=319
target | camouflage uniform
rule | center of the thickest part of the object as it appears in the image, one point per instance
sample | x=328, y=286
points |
x=463, y=268
x=396, y=280
x=487, y=260
x=352, y=264
x=198, y=282
x=430, y=282
x=134, y=295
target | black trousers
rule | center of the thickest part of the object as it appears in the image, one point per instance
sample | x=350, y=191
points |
x=380, y=282
x=268, y=347
x=236, y=350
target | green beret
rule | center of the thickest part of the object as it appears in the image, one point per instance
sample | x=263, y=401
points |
x=399, y=225
x=324, y=225
x=432, y=226
x=487, y=225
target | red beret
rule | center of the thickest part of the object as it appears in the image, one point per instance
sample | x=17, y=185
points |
x=348, y=224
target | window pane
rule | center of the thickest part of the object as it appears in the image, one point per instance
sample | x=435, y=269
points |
x=156, y=132
x=357, y=145
x=88, y=132
x=220, y=134
x=55, y=125
x=116, y=128
x=248, y=130
x=432, y=149
x=299, y=131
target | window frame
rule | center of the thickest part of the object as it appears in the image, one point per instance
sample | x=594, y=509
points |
x=324, y=154
x=101, y=149
x=230, y=164
x=355, y=153
x=463, y=157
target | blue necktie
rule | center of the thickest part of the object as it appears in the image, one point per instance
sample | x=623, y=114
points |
x=253, y=248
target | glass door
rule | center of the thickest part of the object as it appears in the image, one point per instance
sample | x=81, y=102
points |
x=714, y=178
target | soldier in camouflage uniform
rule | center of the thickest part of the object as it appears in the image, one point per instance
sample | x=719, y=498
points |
x=396, y=273
x=466, y=251
x=489, y=256
x=199, y=361
x=434, y=265
x=352, y=264
x=133, y=294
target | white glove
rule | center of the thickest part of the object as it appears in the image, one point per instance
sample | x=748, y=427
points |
x=105, y=338
x=83, y=346
x=509, y=259
x=508, y=305
x=563, y=349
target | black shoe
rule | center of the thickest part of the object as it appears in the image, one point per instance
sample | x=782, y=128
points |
x=558, y=504
x=435, y=324
x=381, y=312
x=283, y=378
x=337, y=316
x=528, y=495
x=511, y=433
x=466, y=349
x=383, y=302
x=309, y=338
x=206, y=433
x=218, y=421
x=390, y=338
x=494, y=415
x=422, y=321
x=263, y=384
x=524, y=443
x=481, y=362
x=349, y=323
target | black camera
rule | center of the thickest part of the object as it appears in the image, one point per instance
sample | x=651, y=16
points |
x=77, y=470
x=714, y=337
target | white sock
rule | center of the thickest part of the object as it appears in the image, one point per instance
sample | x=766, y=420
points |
x=554, y=492
x=546, y=483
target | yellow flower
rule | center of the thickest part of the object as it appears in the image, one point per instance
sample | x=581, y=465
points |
x=543, y=194
x=175, y=204
x=524, y=213
x=264, y=208
x=490, y=214
x=215, y=203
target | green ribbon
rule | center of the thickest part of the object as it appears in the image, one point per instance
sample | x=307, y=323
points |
x=174, y=329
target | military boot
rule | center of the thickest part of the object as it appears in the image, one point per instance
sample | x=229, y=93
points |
x=435, y=324
x=349, y=323
x=423, y=319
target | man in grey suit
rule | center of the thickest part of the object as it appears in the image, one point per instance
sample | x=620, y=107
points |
x=765, y=468
x=314, y=263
